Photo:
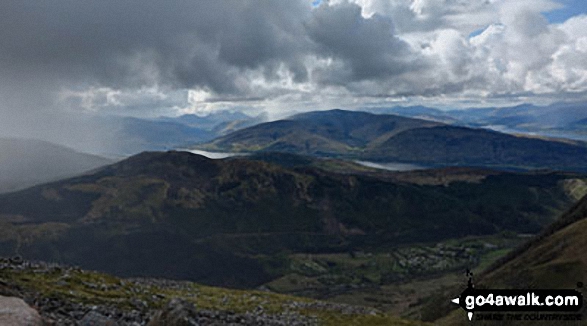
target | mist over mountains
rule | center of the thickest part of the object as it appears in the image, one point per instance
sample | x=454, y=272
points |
x=26, y=162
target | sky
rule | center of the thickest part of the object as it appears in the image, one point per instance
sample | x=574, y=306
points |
x=62, y=60
x=568, y=9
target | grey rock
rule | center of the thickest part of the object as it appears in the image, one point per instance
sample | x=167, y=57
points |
x=177, y=313
x=94, y=318
x=15, y=312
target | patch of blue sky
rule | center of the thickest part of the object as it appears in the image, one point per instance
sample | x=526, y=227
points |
x=477, y=32
x=570, y=8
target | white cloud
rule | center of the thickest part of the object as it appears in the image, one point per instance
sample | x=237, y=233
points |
x=290, y=56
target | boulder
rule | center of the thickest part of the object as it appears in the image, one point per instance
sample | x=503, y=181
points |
x=15, y=312
x=176, y=313
x=94, y=318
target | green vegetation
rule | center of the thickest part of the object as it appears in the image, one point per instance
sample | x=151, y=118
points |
x=293, y=226
x=92, y=288
x=398, y=280
x=183, y=216
x=554, y=259
x=390, y=138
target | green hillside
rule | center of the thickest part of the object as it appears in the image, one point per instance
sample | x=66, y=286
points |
x=554, y=259
x=198, y=218
x=333, y=132
x=390, y=138
x=71, y=296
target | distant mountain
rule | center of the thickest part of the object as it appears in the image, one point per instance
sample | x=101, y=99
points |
x=138, y=134
x=579, y=125
x=565, y=120
x=211, y=120
x=184, y=216
x=219, y=122
x=391, y=138
x=334, y=132
x=527, y=116
x=556, y=115
x=26, y=162
x=417, y=112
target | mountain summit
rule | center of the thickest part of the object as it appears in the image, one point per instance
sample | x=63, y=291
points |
x=390, y=138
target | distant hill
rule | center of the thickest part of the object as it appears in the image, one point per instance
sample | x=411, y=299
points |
x=560, y=120
x=184, y=216
x=137, y=135
x=219, y=122
x=26, y=162
x=209, y=121
x=393, y=138
x=417, y=112
x=579, y=125
x=124, y=136
x=532, y=117
x=335, y=132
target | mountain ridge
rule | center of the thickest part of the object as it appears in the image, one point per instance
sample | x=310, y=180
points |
x=366, y=136
x=172, y=205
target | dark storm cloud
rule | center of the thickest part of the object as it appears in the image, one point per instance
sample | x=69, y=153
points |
x=368, y=47
x=192, y=44
x=133, y=43
x=108, y=54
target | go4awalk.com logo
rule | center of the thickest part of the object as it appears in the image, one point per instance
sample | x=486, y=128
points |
x=552, y=304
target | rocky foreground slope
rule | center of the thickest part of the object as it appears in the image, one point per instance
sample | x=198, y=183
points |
x=71, y=296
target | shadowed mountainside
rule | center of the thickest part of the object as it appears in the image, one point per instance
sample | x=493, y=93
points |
x=554, y=259
x=390, y=138
x=188, y=217
x=566, y=120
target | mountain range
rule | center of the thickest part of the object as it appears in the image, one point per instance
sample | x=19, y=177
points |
x=164, y=133
x=565, y=120
x=391, y=138
x=197, y=218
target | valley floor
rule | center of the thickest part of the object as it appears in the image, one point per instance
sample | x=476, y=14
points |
x=401, y=281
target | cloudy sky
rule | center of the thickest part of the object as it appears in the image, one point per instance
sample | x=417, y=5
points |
x=151, y=58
